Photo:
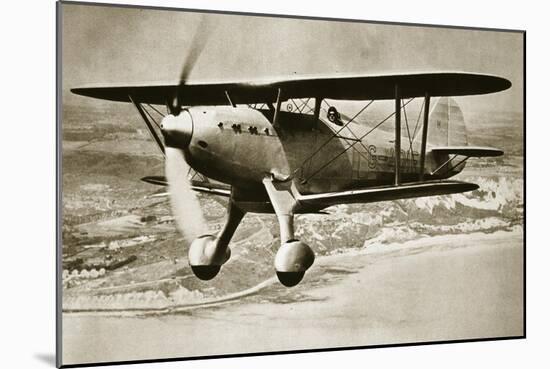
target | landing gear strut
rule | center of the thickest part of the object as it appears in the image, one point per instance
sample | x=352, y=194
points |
x=294, y=257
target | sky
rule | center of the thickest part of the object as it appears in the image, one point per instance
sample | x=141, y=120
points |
x=123, y=45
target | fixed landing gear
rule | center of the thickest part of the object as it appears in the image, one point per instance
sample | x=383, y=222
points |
x=291, y=262
x=294, y=257
x=208, y=253
x=206, y=256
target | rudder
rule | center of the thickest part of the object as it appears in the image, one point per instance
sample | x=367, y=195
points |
x=446, y=124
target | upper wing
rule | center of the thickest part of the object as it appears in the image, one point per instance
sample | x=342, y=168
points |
x=375, y=194
x=356, y=87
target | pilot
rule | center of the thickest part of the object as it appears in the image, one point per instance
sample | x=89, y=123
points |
x=334, y=116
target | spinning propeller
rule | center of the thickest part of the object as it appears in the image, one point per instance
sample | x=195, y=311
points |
x=185, y=204
x=207, y=253
x=177, y=129
x=198, y=42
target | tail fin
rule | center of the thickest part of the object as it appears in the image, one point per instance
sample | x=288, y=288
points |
x=446, y=124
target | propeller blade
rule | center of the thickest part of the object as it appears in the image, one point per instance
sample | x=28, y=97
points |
x=198, y=42
x=184, y=202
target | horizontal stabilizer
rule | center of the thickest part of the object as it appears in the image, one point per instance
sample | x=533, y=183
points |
x=374, y=194
x=470, y=151
x=214, y=188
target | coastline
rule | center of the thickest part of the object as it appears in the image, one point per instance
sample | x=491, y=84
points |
x=430, y=289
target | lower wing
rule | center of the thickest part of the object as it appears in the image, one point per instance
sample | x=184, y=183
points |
x=374, y=194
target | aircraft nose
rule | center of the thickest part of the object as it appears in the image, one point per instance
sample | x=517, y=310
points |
x=177, y=130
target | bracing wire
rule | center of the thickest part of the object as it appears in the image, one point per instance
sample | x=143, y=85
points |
x=333, y=136
x=151, y=117
x=353, y=144
x=155, y=109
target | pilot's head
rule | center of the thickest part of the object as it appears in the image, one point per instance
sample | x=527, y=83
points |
x=332, y=114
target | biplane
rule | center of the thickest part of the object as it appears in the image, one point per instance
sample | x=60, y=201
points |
x=278, y=147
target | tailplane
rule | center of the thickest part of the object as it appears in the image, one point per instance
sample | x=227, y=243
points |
x=447, y=140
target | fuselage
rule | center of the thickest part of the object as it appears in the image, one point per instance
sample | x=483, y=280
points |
x=240, y=146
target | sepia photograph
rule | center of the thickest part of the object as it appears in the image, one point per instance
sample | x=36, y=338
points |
x=238, y=184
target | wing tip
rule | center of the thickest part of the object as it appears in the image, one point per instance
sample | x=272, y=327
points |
x=504, y=83
x=471, y=186
x=76, y=90
x=155, y=180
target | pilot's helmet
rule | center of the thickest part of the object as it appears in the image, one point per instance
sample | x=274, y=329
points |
x=332, y=114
